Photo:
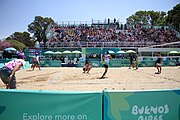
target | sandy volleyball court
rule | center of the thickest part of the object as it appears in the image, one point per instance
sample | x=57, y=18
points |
x=72, y=79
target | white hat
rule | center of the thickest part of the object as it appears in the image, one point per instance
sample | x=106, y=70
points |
x=21, y=61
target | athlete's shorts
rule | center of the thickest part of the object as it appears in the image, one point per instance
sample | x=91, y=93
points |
x=4, y=75
x=105, y=65
x=36, y=63
x=158, y=64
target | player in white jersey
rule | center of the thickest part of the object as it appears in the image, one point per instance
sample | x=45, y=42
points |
x=105, y=61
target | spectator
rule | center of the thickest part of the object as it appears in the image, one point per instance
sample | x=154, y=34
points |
x=71, y=36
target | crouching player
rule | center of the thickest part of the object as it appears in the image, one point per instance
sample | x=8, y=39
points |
x=87, y=67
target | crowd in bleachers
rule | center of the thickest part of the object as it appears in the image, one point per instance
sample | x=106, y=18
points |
x=77, y=36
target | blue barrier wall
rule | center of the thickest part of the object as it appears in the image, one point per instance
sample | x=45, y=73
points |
x=142, y=105
x=48, y=105
x=106, y=105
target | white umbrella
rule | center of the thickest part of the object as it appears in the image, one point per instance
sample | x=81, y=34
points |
x=49, y=52
x=76, y=52
x=58, y=53
x=10, y=49
x=121, y=52
x=130, y=51
x=173, y=52
x=66, y=52
x=111, y=52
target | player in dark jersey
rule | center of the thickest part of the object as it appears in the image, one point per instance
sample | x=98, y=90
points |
x=87, y=67
x=158, y=64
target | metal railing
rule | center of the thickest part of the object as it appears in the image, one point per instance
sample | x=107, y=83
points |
x=74, y=23
x=97, y=44
x=123, y=44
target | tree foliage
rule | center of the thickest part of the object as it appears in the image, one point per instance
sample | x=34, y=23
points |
x=16, y=44
x=173, y=17
x=38, y=27
x=147, y=18
x=23, y=37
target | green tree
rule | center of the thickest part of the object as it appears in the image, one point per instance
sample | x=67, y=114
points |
x=16, y=44
x=38, y=28
x=147, y=17
x=158, y=18
x=173, y=17
x=23, y=37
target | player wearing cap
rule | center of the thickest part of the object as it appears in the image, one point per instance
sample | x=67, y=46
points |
x=7, y=72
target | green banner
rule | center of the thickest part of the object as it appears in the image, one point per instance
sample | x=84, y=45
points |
x=50, y=63
x=93, y=51
x=46, y=105
x=142, y=105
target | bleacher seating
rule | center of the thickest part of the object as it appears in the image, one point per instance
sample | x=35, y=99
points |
x=98, y=36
